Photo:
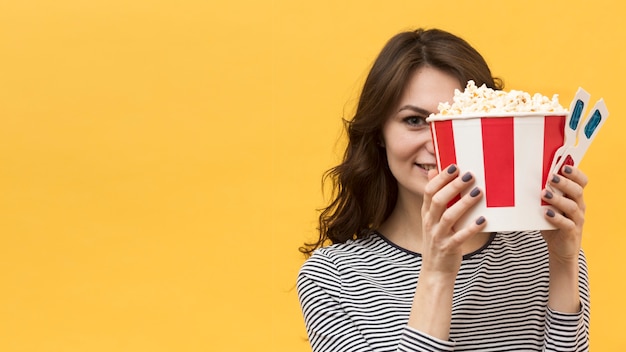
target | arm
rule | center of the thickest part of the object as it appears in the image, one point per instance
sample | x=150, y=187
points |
x=570, y=331
x=568, y=301
x=328, y=325
x=442, y=249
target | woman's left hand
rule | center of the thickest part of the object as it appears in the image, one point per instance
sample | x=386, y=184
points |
x=564, y=243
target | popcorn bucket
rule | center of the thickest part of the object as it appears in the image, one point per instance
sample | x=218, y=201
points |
x=510, y=157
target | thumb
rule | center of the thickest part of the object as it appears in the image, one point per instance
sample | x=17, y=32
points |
x=432, y=173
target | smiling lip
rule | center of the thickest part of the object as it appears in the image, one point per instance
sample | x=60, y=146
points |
x=426, y=167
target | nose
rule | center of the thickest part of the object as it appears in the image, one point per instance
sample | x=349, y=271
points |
x=430, y=146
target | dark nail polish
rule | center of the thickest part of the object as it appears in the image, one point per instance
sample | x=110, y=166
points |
x=466, y=177
x=550, y=213
x=548, y=195
x=480, y=220
x=556, y=179
x=451, y=169
x=567, y=169
x=475, y=192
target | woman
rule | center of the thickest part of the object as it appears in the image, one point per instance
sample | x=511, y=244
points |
x=400, y=275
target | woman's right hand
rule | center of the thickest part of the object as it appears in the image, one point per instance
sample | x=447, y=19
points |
x=442, y=240
x=442, y=249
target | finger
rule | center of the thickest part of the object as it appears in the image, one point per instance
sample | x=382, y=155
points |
x=452, y=214
x=433, y=172
x=438, y=181
x=575, y=175
x=566, y=208
x=466, y=233
x=436, y=203
x=570, y=189
x=562, y=222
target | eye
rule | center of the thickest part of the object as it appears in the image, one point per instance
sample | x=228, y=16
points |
x=415, y=121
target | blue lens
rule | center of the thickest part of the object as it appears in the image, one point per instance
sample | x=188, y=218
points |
x=593, y=123
x=578, y=110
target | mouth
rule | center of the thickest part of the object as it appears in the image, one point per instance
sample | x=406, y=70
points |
x=427, y=167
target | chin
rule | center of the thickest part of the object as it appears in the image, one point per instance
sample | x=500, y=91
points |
x=415, y=189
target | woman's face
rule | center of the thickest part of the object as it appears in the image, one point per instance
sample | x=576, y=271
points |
x=406, y=134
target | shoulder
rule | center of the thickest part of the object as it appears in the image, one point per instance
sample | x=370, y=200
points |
x=368, y=253
x=339, y=254
x=324, y=269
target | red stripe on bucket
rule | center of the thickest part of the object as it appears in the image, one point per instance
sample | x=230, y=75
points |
x=499, y=160
x=553, y=139
x=445, y=142
x=444, y=135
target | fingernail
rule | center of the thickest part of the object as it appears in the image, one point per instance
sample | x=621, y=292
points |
x=475, y=192
x=480, y=220
x=556, y=179
x=451, y=169
x=466, y=177
x=550, y=213
x=548, y=195
x=567, y=169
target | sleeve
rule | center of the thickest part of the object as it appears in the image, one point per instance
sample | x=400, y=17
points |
x=330, y=328
x=570, y=332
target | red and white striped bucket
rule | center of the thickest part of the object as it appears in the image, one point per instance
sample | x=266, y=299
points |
x=510, y=157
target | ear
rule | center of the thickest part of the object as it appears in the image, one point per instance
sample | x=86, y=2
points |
x=381, y=140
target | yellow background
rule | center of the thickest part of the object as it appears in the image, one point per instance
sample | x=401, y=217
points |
x=160, y=161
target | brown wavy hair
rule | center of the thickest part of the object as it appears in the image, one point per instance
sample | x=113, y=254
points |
x=364, y=190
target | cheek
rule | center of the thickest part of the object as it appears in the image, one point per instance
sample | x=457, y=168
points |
x=400, y=157
x=398, y=150
x=406, y=145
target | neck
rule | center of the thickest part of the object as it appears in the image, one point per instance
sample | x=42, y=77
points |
x=404, y=226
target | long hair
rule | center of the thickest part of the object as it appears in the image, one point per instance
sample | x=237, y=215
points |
x=364, y=192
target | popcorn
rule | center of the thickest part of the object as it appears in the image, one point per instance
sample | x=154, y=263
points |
x=479, y=100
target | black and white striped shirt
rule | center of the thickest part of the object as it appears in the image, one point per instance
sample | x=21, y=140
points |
x=357, y=296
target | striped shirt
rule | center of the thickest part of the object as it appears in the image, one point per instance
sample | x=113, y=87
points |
x=356, y=296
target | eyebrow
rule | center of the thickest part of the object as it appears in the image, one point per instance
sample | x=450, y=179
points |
x=415, y=109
